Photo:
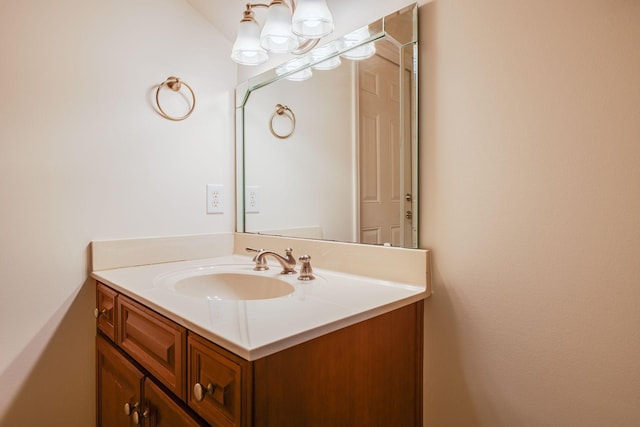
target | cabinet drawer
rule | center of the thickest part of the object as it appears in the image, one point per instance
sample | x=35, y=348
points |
x=105, y=310
x=157, y=343
x=218, y=384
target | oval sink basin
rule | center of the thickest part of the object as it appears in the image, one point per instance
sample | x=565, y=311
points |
x=232, y=286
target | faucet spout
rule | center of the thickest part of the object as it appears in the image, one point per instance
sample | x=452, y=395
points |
x=287, y=262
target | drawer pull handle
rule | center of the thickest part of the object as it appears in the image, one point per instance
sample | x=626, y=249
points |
x=216, y=391
x=97, y=313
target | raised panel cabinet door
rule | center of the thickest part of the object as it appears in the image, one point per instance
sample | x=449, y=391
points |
x=119, y=384
x=162, y=411
x=157, y=343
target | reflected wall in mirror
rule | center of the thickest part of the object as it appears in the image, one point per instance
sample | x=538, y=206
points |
x=327, y=143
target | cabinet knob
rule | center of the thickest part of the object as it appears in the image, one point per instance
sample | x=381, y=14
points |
x=97, y=313
x=136, y=416
x=199, y=391
x=134, y=412
x=129, y=408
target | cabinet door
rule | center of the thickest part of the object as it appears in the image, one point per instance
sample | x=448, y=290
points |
x=119, y=383
x=162, y=411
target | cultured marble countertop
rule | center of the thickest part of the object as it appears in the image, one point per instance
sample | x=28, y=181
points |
x=254, y=329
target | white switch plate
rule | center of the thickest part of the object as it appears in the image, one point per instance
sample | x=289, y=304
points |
x=215, y=198
x=252, y=199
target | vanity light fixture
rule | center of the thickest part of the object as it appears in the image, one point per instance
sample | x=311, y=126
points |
x=282, y=31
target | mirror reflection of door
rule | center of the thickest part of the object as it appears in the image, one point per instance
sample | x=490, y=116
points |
x=379, y=148
x=409, y=151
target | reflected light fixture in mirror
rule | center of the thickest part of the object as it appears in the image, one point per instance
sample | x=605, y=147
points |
x=292, y=65
x=322, y=52
x=282, y=31
x=361, y=51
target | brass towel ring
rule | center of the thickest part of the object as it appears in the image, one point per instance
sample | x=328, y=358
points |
x=283, y=110
x=175, y=84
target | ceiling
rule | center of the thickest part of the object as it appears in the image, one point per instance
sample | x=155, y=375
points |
x=223, y=14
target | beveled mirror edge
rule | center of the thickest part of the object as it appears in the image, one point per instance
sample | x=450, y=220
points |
x=244, y=89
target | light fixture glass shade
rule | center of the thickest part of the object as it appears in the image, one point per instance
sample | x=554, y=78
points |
x=294, y=64
x=322, y=52
x=276, y=34
x=246, y=49
x=361, y=52
x=312, y=19
x=300, y=76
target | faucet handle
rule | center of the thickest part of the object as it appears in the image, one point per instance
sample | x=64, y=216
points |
x=306, y=272
x=261, y=262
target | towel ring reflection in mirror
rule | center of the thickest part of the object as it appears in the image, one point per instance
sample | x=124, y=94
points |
x=175, y=84
x=283, y=110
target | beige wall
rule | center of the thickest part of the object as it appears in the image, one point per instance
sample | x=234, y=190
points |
x=83, y=156
x=531, y=203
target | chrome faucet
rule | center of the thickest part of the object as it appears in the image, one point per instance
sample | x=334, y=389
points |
x=288, y=262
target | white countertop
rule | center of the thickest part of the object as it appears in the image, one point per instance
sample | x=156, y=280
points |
x=253, y=329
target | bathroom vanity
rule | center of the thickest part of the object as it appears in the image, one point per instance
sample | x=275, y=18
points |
x=366, y=374
x=323, y=354
x=189, y=334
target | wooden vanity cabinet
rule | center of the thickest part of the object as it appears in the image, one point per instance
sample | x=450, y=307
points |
x=366, y=374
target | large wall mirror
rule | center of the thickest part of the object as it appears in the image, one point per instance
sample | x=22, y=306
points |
x=326, y=144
